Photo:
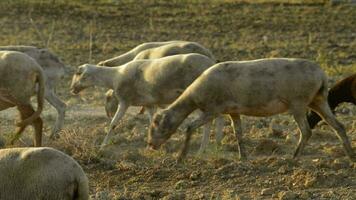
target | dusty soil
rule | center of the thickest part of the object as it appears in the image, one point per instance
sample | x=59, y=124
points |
x=233, y=31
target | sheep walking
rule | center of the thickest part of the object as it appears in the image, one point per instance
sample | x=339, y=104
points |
x=54, y=70
x=342, y=91
x=146, y=83
x=41, y=173
x=20, y=78
x=150, y=50
x=262, y=87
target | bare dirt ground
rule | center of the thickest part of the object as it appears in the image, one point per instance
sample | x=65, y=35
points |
x=233, y=31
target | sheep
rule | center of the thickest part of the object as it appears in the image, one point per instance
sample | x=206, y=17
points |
x=143, y=82
x=173, y=48
x=41, y=173
x=151, y=50
x=54, y=70
x=342, y=91
x=261, y=87
x=19, y=76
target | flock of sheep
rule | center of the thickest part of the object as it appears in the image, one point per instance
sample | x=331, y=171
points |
x=181, y=76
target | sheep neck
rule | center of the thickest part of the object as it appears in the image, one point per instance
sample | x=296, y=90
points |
x=122, y=59
x=105, y=76
x=180, y=109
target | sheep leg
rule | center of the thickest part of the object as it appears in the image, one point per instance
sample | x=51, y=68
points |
x=237, y=129
x=325, y=112
x=121, y=110
x=219, y=126
x=300, y=117
x=142, y=111
x=205, y=138
x=201, y=120
x=60, y=107
x=151, y=111
x=38, y=125
x=25, y=112
x=17, y=135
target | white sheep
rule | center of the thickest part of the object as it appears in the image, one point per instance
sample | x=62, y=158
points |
x=20, y=78
x=41, y=173
x=143, y=82
x=255, y=88
x=54, y=70
x=173, y=48
x=150, y=50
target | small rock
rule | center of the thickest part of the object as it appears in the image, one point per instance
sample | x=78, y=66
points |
x=181, y=184
x=267, y=191
x=287, y=195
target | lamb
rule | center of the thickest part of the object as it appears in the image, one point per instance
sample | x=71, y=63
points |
x=143, y=82
x=151, y=50
x=54, y=70
x=261, y=87
x=41, y=173
x=20, y=75
x=342, y=91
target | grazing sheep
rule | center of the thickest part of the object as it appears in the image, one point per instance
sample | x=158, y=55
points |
x=151, y=50
x=41, y=173
x=54, y=70
x=262, y=87
x=143, y=82
x=343, y=91
x=20, y=78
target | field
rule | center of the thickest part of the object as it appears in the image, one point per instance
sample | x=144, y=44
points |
x=90, y=31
